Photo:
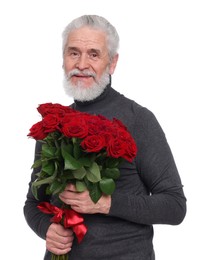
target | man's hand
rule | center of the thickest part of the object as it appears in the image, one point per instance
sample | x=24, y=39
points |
x=58, y=239
x=82, y=203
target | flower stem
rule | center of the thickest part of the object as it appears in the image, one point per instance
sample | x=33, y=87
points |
x=59, y=257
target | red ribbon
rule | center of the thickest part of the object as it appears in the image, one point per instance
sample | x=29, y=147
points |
x=71, y=219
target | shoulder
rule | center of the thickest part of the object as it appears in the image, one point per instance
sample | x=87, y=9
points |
x=136, y=112
x=140, y=119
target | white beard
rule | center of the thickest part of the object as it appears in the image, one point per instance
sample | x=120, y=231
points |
x=79, y=92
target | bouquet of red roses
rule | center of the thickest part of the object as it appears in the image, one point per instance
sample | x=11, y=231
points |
x=80, y=148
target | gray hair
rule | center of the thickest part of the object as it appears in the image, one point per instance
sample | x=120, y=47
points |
x=96, y=22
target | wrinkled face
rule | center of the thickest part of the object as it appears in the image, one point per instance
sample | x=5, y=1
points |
x=86, y=52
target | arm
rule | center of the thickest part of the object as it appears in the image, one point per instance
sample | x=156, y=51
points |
x=81, y=201
x=58, y=239
x=37, y=220
x=164, y=202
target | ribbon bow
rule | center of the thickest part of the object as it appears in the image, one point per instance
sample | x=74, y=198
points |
x=71, y=219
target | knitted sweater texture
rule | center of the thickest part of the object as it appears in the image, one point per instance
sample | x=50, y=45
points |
x=149, y=190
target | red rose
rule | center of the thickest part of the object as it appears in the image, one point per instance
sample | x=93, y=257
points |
x=67, y=118
x=123, y=134
x=93, y=143
x=116, y=148
x=75, y=128
x=107, y=136
x=49, y=108
x=106, y=125
x=94, y=126
x=131, y=151
x=99, y=125
x=51, y=123
x=123, y=145
x=37, y=131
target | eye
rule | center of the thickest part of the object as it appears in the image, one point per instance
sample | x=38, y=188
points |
x=93, y=55
x=74, y=54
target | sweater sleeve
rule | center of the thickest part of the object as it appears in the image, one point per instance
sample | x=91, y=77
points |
x=38, y=221
x=164, y=202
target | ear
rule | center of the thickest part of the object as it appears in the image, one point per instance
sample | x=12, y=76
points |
x=113, y=64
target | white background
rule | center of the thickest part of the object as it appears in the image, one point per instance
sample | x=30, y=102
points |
x=162, y=66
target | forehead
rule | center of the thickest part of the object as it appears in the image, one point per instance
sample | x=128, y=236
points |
x=87, y=38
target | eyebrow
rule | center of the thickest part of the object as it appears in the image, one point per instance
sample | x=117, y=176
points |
x=95, y=50
x=72, y=49
x=77, y=49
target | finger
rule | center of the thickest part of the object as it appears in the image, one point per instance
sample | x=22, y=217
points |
x=60, y=243
x=70, y=187
x=59, y=249
x=64, y=233
x=68, y=196
x=60, y=230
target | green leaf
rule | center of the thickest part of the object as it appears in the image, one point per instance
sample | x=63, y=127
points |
x=48, y=167
x=41, y=175
x=34, y=190
x=79, y=173
x=80, y=186
x=67, y=175
x=44, y=181
x=48, y=151
x=37, y=164
x=94, y=192
x=112, y=162
x=56, y=187
x=77, y=150
x=107, y=186
x=93, y=173
x=36, y=184
x=87, y=160
x=58, y=153
x=113, y=173
x=66, y=148
x=70, y=163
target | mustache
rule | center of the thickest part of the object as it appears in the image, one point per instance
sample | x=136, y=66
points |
x=77, y=72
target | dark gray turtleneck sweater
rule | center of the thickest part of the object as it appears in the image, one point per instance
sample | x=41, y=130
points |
x=149, y=190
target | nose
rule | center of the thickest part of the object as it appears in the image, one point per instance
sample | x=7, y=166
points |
x=82, y=62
